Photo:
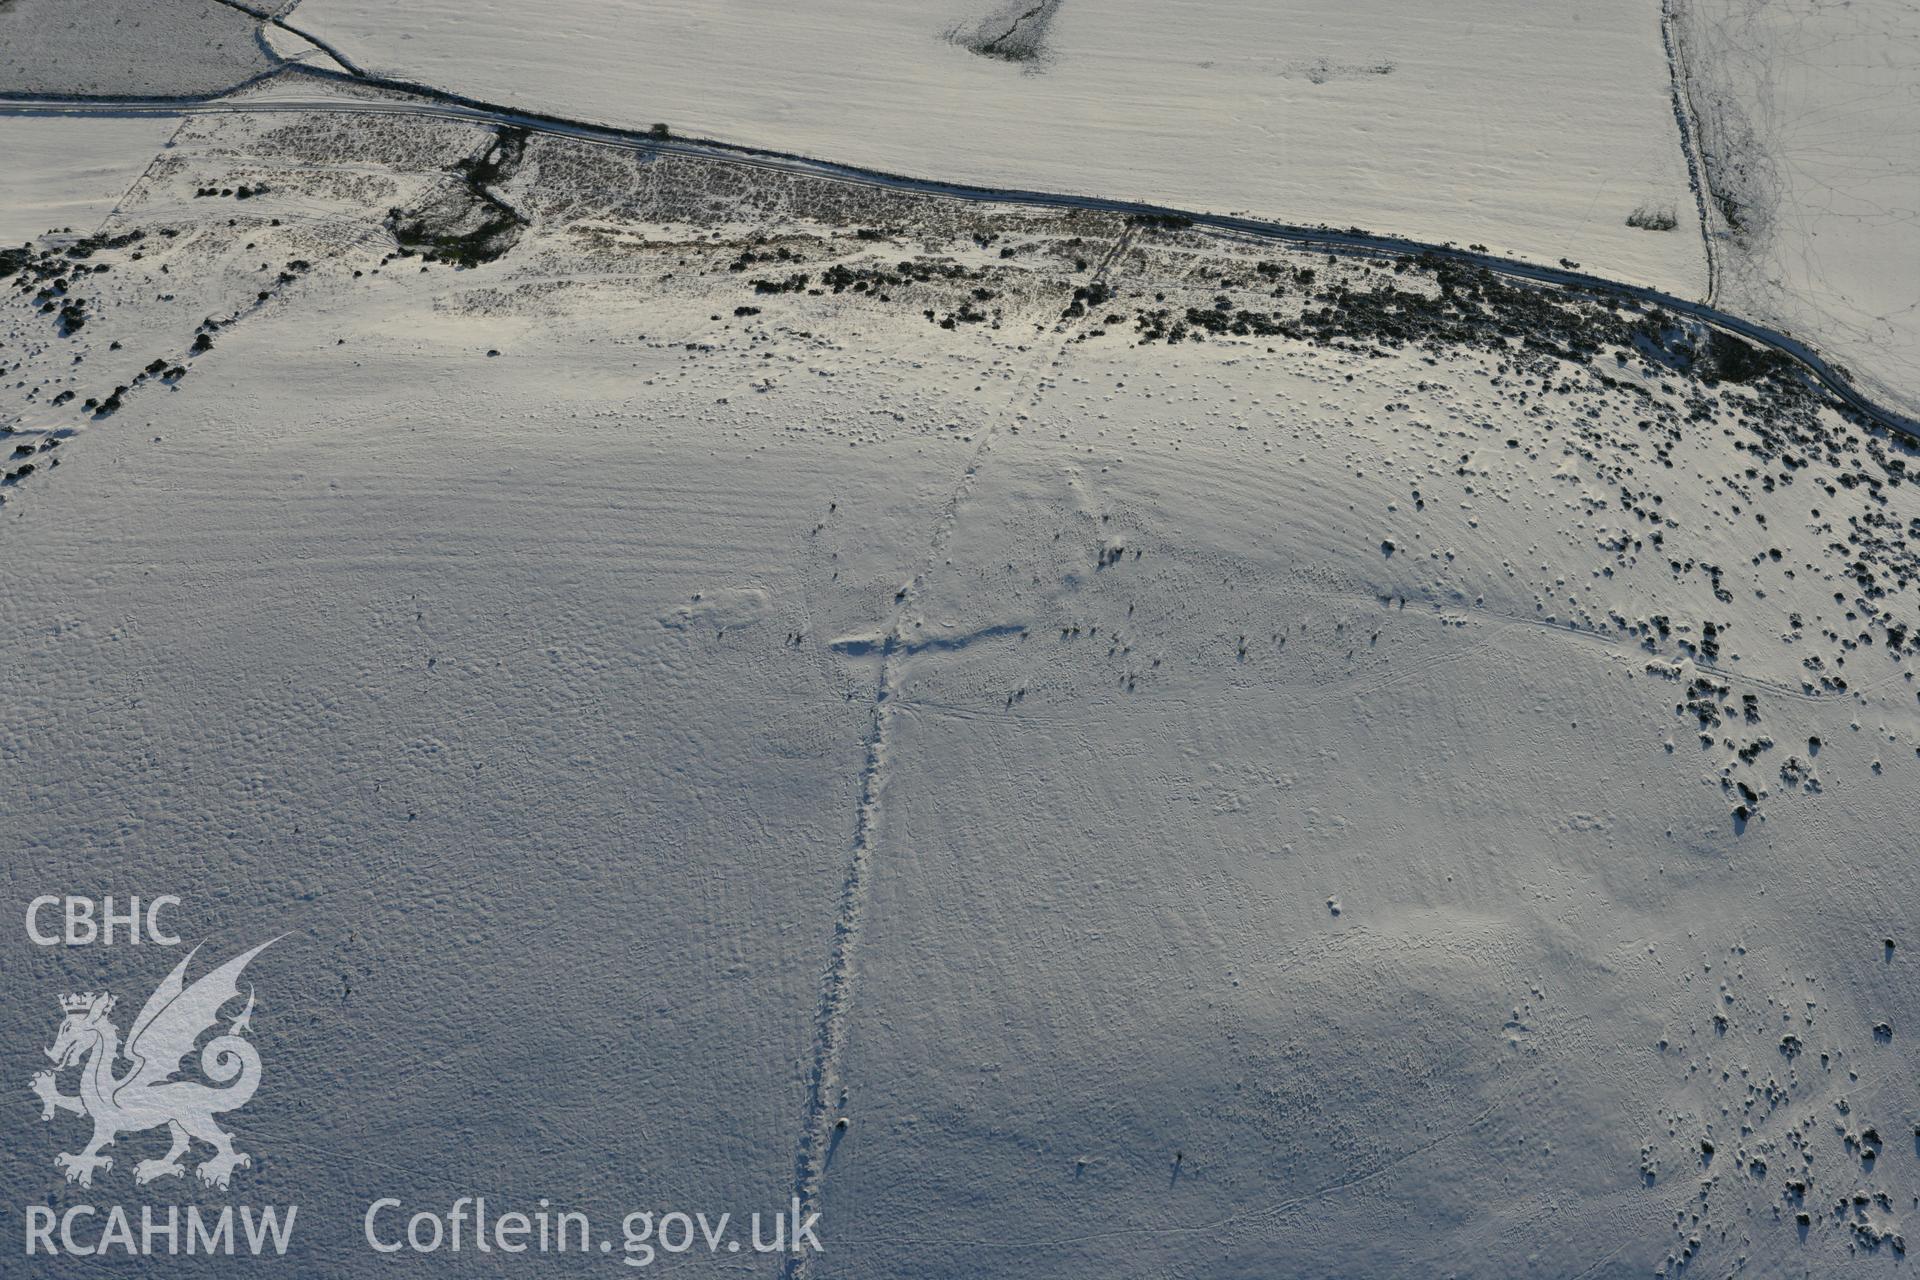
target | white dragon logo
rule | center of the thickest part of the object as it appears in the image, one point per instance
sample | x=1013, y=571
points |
x=147, y=1096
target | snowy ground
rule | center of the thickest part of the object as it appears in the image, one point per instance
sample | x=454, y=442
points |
x=1534, y=130
x=1212, y=761
x=128, y=48
x=70, y=173
x=1809, y=116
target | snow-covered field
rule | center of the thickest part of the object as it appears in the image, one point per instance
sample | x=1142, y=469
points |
x=1210, y=760
x=1536, y=130
x=127, y=48
x=1811, y=119
x=69, y=173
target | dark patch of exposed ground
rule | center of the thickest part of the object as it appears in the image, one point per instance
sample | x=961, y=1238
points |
x=1015, y=32
x=466, y=223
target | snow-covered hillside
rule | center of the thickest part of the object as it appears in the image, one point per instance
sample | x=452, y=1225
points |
x=1209, y=760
